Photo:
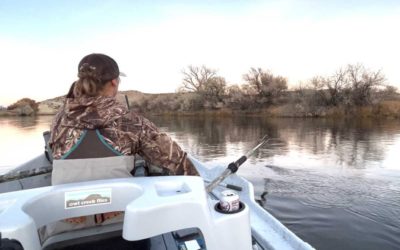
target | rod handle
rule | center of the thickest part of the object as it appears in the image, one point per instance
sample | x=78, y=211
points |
x=234, y=187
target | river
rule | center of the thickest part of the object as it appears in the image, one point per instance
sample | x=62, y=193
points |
x=335, y=183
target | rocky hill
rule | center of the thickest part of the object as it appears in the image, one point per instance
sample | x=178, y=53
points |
x=51, y=106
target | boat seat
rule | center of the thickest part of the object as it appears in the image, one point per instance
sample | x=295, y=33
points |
x=99, y=237
x=83, y=235
x=109, y=237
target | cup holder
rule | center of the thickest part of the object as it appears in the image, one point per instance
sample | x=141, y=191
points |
x=219, y=210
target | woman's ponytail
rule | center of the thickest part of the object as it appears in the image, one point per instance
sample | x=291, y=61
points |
x=89, y=83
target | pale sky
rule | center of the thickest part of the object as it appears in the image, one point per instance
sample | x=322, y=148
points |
x=41, y=42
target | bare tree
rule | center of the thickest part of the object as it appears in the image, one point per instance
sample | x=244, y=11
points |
x=215, y=88
x=330, y=90
x=205, y=82
x=255, y=79
x=362, y=83
x=353, y=85
x=315, y=91
x=194, y=78
x=265, y=83
x=336, y=86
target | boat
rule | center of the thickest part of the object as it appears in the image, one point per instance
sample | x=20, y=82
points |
x=160, y=212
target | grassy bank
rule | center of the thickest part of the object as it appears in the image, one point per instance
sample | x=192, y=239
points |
x=146, y=104
x=386, y=109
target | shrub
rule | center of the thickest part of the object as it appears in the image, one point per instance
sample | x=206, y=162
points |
x=23, y=102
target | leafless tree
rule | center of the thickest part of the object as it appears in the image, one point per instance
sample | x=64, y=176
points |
x=362, y=83
x=315, y=91
x=194, y=78
x=330, y=90
x=205, y=82
x=336, y=86
x=215, y=88
x=255, y=78
x=265, y=83
x=352, y=85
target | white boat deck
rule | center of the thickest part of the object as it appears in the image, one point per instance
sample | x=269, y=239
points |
x=157, y=204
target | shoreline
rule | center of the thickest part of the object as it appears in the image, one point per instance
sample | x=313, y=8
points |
x=389, y=109
x=362, y=112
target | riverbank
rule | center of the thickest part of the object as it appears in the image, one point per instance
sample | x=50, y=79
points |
x=146, y=104
x=384, y=110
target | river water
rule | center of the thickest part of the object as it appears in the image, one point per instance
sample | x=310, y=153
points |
x=335, y=183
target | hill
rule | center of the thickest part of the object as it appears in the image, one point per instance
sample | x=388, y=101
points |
x=135, y=98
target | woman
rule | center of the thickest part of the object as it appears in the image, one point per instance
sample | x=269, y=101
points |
x=93, y=105
x=119, y=135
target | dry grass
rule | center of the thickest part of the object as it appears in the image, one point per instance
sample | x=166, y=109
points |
x=390, y=109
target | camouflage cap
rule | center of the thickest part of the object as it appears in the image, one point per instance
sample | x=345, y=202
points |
x=104, y=66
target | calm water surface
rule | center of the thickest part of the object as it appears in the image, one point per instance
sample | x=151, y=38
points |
x=336, y=184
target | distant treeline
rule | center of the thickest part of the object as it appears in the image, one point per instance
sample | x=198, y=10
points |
x=349, y=89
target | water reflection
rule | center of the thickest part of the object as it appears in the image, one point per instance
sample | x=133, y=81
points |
x=26, y=122
x=331, y=143
x=355, y=143
x=305, y=143
x=21, y=139
x=210, y=138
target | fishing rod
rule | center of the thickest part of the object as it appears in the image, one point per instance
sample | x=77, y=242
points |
x=25, y=173
x=227, y=185
x=234, y=166
x=127, y=102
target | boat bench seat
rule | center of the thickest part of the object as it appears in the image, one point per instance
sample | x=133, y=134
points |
x=101, y=238
x=108, y=237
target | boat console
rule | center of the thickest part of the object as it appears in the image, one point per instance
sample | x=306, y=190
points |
x=156, y=208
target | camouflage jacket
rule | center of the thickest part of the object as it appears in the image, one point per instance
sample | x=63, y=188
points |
x=127, y=132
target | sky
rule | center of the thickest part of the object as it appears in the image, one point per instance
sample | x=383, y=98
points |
x=42, y=42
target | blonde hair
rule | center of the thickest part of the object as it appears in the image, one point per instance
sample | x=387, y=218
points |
x=89, y=82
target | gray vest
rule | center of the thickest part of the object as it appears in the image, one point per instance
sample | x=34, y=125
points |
x=91, y=158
